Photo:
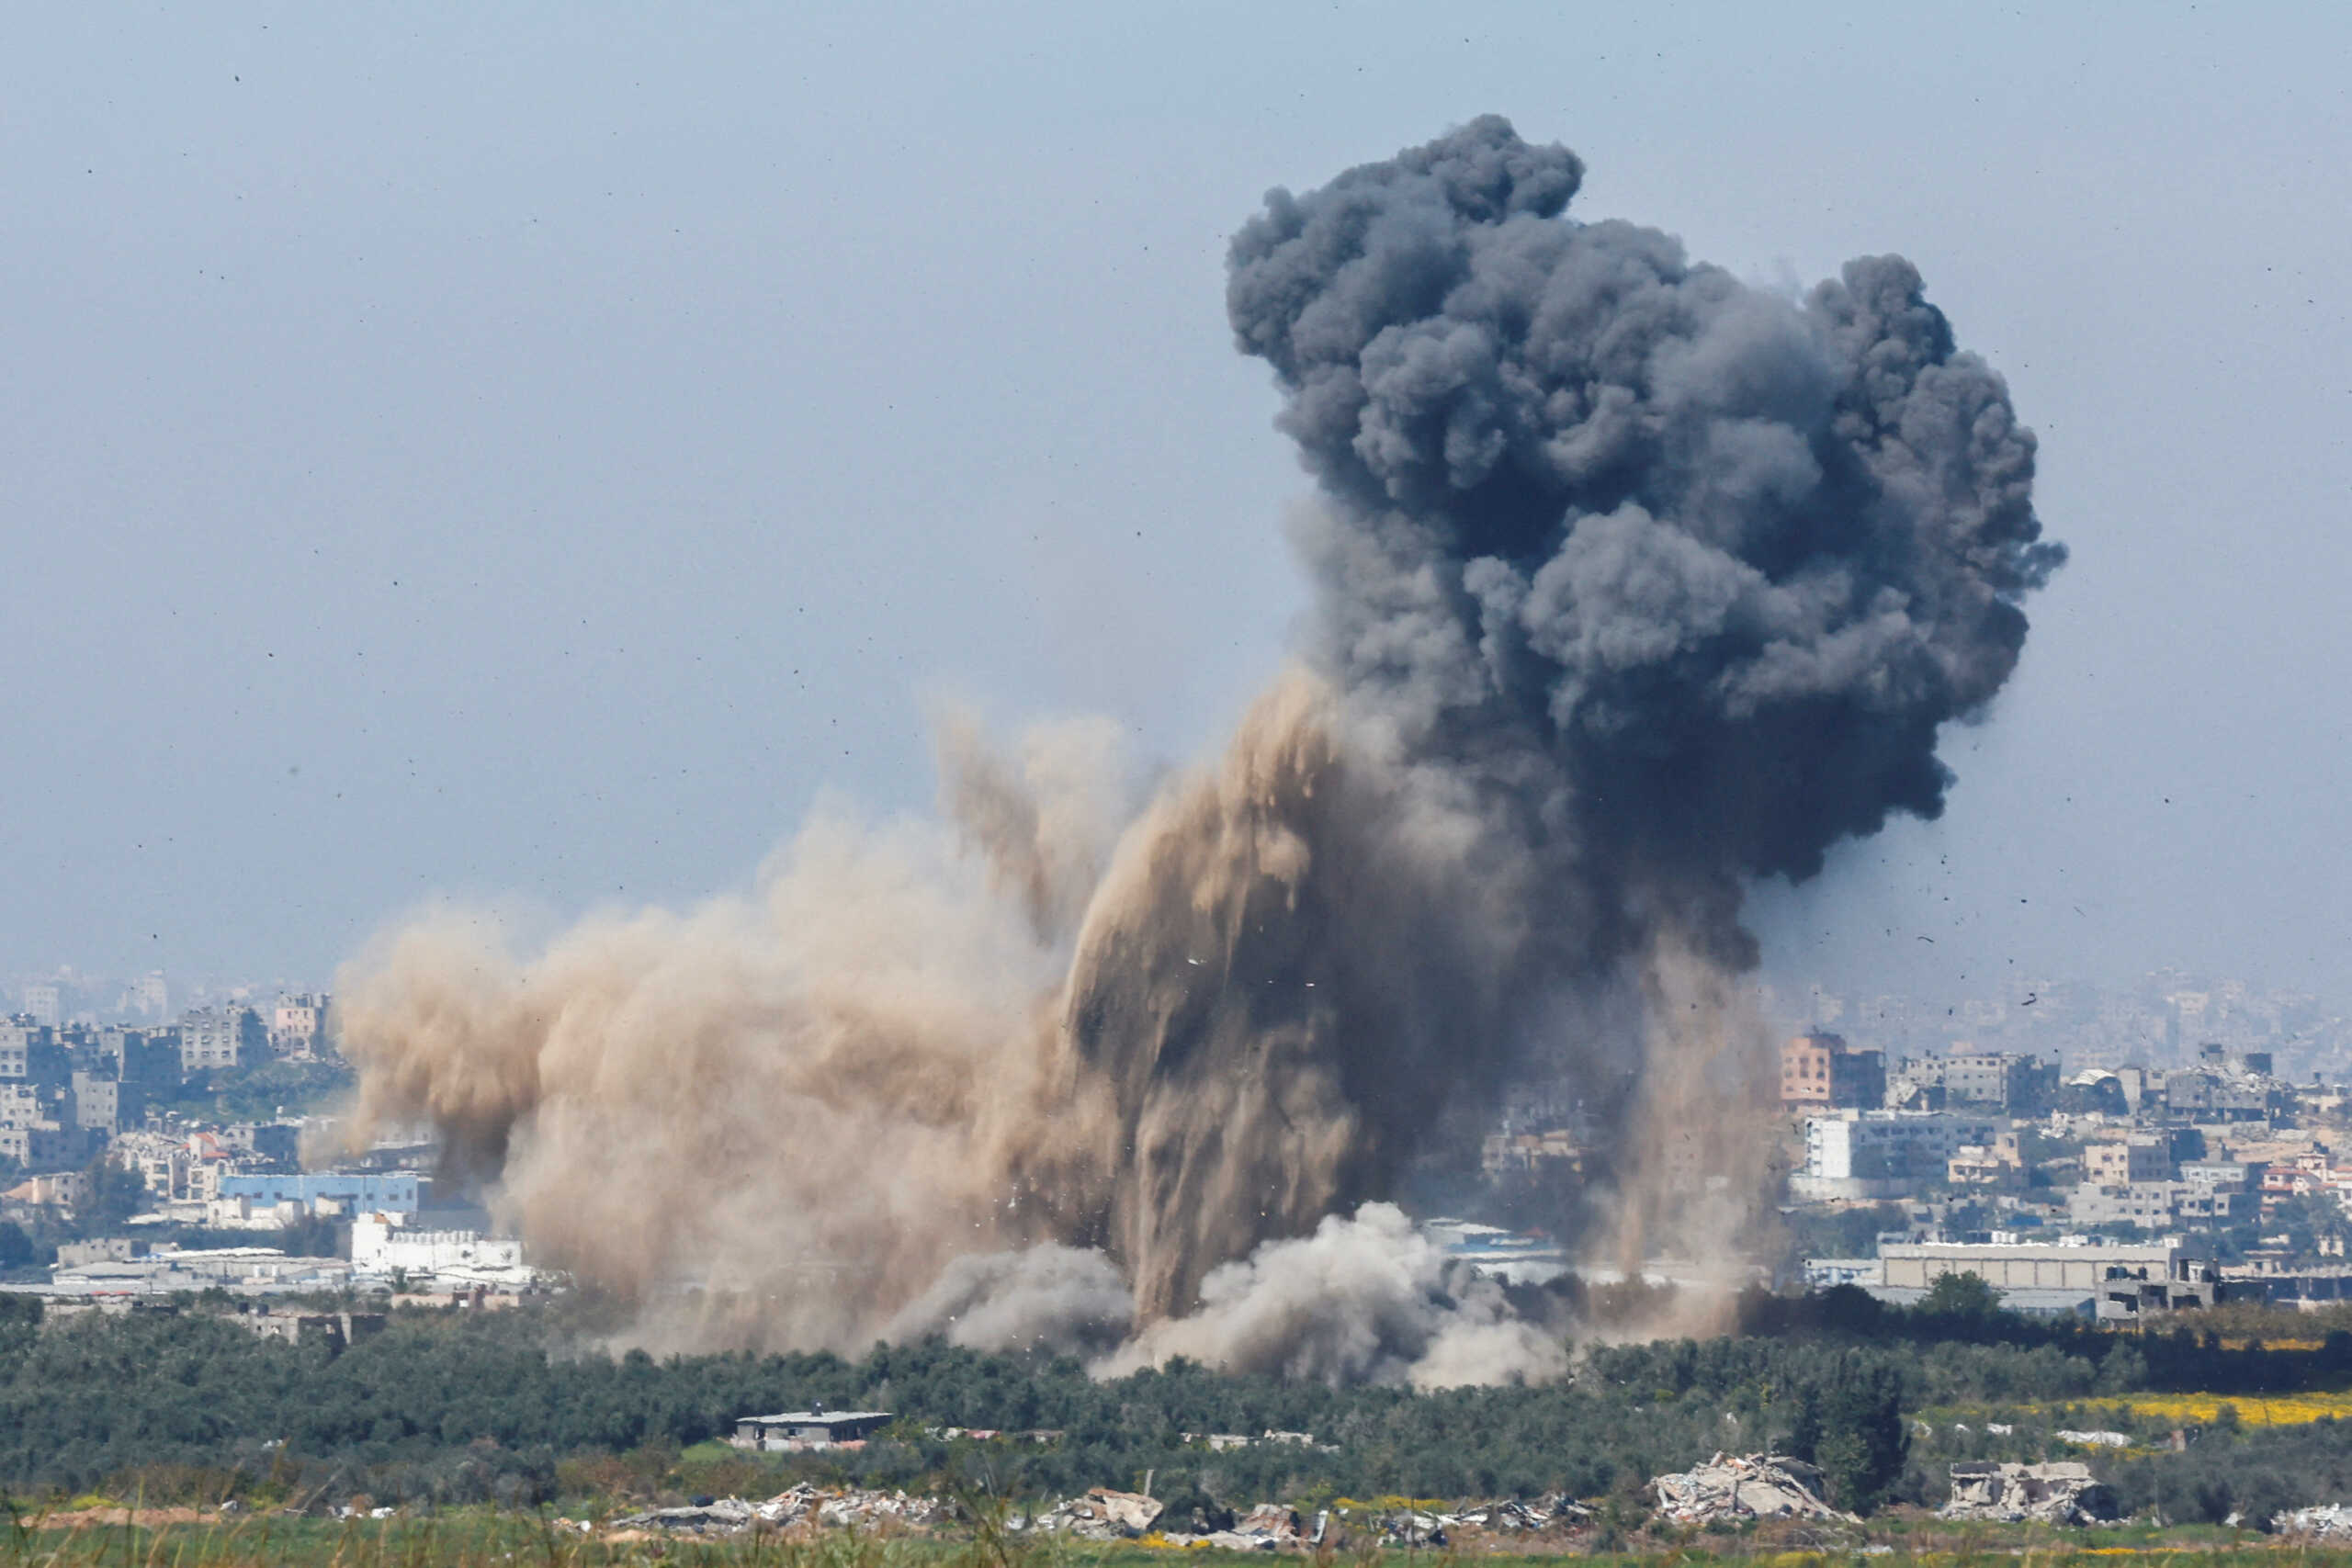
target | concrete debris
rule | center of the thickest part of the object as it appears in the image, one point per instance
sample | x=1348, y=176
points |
x=1412, y=1527
x=1508, y=1515
x=1559, y=1511
x=1757, y=1486
x=2062, y=1492
x=2329, y=1521
x=722, y=1515
x=1102, y=1515
x=1269, y=1527
x=805, y=1504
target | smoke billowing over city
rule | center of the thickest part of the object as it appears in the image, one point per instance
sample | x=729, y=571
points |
x=1632, y=583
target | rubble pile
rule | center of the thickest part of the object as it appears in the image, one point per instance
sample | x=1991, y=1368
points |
x=822, y=1507
x=2329, y=1521
x=1508, y=1515
x=1512, y=1517
x=1269, y=1527
x=1102, y=1515
x=2064, y=1492
x=722, y=1515
x=1757, y=1486
x=1410, y=1527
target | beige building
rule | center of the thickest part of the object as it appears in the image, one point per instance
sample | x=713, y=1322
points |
x=298, y=1026
x=1821, y=1070
x=2117, y=1162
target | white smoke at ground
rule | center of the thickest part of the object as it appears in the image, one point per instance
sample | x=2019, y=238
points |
x=1364, y=1297
x=1047, y=1297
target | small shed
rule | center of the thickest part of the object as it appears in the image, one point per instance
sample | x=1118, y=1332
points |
x=820, y=1429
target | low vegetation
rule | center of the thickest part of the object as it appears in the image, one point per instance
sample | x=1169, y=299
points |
x=520, y=1411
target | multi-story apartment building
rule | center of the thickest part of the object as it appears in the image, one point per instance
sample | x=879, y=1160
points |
x=44, y=1145
x=297, y=1025
x=106, y=1104
x=149, y=1057
x=2135, y=1157
x=2014, y=1083
x=219, y=1037
x=1882, y=1153
x=1821, y=1070
x=29, y=1051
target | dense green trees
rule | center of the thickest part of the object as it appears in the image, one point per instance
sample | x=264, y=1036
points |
x=1852, y=1426
x=15, y=1247
x=468, y=1406
x=111, y=1193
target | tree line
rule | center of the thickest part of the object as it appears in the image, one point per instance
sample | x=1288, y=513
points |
x=462, y=1407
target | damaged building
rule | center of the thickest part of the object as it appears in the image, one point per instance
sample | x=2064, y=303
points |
x=2063, y=1493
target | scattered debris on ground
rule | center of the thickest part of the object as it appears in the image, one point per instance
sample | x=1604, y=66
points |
x=1269, y=1527
x=1510, y=1516
x=1757, y=1486
x=829, y=1508
x=2329, y=1521
x=722, y=1515
x=2062, y=1493
x=1410, y=1527
x=1505, y=1517
x=1102, y=1515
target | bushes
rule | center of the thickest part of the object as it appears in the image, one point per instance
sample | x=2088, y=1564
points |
x=466, y=1407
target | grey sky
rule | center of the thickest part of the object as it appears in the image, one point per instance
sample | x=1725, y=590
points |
x=535, y=455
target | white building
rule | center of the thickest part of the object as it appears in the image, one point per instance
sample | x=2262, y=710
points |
x=381, y=1244
x=1883, y=1154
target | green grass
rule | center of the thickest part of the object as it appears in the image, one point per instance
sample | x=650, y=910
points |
x=484, y=1538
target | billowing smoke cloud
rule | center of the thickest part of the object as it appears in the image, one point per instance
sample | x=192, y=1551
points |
x=1632, y=583
x=1365, y=1298
x=1047, y=1297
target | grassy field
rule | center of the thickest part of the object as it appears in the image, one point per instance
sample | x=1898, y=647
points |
x=116, y=1537
x=2171, y=1409
x=2252, y=1410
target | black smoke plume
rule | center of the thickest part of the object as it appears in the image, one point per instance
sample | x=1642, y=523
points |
x=1632, y=583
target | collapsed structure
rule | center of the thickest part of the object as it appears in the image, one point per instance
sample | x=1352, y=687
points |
x=2062, y=1493
x=1757, y=1486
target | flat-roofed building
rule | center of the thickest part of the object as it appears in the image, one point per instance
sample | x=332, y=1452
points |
x=2129, y=1278
x=2137, y=1156
x=818, y=1428
x=1819, y=1070
x=1878, y=1153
